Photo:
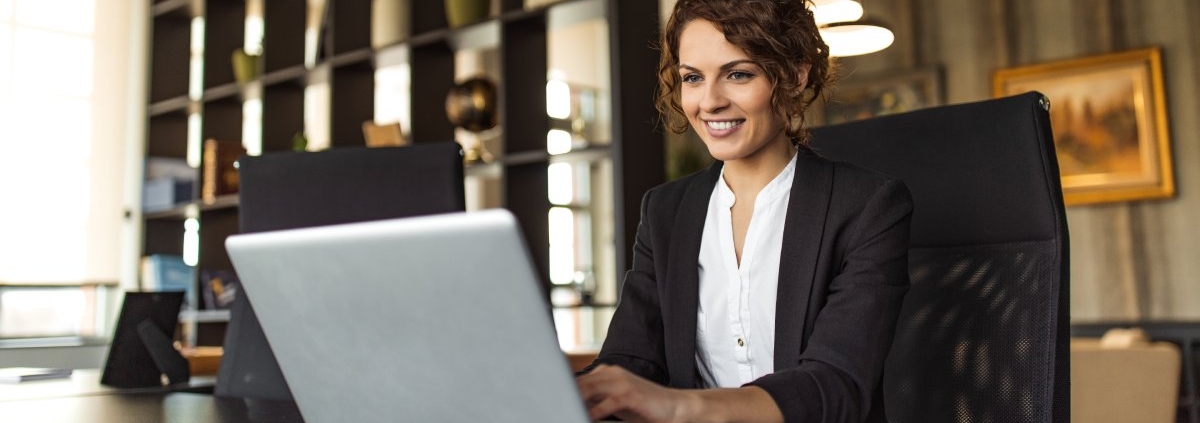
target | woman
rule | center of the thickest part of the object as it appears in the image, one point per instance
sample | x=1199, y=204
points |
x=773, y=279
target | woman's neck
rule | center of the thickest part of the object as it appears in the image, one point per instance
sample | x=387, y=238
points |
x=749, y=175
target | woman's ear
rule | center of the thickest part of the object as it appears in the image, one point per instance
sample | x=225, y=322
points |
x=803, y=77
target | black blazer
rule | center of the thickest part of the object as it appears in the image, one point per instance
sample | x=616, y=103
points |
x=842, y=277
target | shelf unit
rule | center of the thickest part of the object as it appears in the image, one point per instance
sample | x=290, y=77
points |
x=325, y=69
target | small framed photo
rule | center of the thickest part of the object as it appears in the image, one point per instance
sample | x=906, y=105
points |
x=1109, y=118
x=857, y=98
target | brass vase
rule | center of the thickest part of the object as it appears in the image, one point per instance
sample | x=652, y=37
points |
x=466, y=12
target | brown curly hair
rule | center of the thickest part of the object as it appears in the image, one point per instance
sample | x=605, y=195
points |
x=780, y=36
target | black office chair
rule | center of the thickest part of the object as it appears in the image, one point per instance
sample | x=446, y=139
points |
x=294, y=190
x=983, y=333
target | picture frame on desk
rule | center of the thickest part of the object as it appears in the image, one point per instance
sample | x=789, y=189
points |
x=1109, y=117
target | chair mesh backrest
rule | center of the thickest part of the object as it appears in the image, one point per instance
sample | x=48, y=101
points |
x=295, y=190
x=983, y=333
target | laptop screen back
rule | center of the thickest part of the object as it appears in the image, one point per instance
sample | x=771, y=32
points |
x=444, y=321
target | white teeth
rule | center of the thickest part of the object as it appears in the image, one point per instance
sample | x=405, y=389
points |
x=721, y=126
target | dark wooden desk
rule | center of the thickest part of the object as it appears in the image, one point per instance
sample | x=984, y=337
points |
x=174, y=407
x=81, y=398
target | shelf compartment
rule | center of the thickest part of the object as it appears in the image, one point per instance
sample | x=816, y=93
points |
x=523, y=76
x=352, y=103
x=525, y=197
x=167, y=135
x=282, y=116
x=169, y=57
x=432, y=78
x=351, y=23
x=283, y=25
x=222, y=119
x=224, y=30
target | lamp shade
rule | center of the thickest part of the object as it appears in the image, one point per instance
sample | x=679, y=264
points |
x=829, y=11
x=856, y=38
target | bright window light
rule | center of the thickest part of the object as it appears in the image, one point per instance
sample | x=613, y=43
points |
x=253, y=42
x=196, y=60
x=46, y=120
x=316, y=116
x=558, y=141
x=558, y=99
x=392, y=85
x=560, y=183
x=41, y=312
x=252, y=126
x=6, y=49
x=193, y=140
x=191, y=241
x=562, y=245
x=45, y=243
x=59, y=15
x=52, y=62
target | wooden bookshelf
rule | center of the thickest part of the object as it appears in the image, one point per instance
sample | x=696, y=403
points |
x=189, y=103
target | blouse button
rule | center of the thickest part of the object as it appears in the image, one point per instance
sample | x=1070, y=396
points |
x=741, y=343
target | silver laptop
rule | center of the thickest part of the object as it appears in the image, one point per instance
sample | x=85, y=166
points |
x=426, y=319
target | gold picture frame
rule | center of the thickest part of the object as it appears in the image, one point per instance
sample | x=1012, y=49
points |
x=1109, y=118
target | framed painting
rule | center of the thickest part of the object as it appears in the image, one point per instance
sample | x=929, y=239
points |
x=858, y=98
x=1109, y=118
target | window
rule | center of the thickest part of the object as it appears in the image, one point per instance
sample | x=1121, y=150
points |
x=60, y=177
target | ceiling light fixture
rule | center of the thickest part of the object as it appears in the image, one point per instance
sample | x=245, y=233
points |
x=845, y=30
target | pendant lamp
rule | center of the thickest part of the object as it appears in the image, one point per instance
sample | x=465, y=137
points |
x=845, y=30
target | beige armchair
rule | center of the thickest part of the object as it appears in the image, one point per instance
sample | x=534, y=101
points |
x=1123, y=377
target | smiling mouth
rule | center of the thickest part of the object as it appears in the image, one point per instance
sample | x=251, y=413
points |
x=723, y=125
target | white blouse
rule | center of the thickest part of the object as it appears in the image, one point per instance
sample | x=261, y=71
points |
x=735, y=324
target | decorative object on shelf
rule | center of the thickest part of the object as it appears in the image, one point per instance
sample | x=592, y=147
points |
x=220, y=169
x=387, y=135
x=168, y=183
x=1109, y=121
x=220, y=287
x=245, y=66
x=471, y=105
x=299, y=142
x=466, y=12
x=389, y=22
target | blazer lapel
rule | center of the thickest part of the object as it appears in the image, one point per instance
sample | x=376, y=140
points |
x=682, y=296
x=802, y=236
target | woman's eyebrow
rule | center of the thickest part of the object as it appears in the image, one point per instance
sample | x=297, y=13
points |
x=724, y=67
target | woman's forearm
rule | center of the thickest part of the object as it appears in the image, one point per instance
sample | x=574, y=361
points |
x=749, y=404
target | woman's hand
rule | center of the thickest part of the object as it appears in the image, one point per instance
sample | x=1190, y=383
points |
x=611, y=390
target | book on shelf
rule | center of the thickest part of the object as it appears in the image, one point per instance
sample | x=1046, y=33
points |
x=220, y=288
x=24, y=374
x=168, y=183
x=166, y=272
x=220, y=168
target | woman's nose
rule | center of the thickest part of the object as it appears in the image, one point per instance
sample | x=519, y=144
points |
x=713, y=98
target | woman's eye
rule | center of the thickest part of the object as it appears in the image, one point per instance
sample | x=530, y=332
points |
x=691, y=78
x=740, y=75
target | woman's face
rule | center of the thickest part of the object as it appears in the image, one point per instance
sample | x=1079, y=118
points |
x=726, y=97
